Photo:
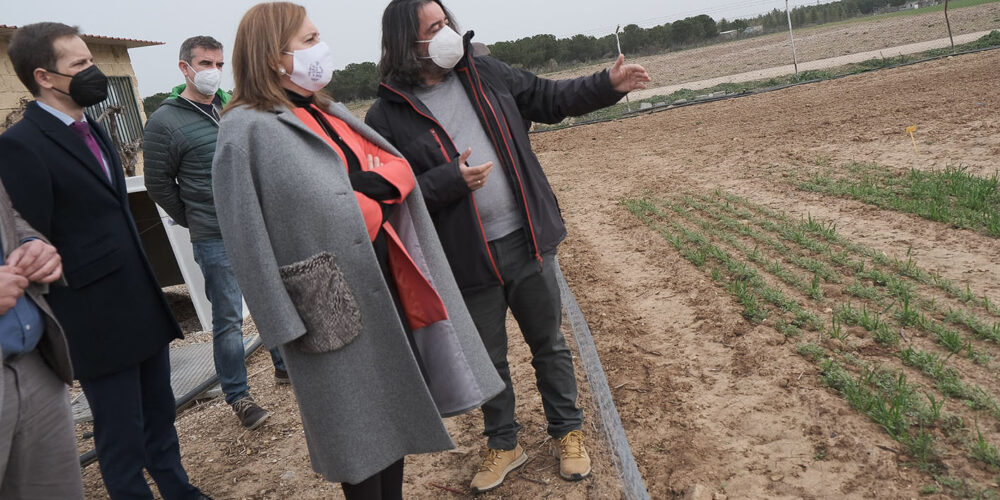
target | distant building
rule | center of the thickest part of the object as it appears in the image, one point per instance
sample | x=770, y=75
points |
x=111, y=55
x=729, y=35
x=753, y=30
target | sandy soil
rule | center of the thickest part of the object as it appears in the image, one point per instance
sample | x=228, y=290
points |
x=713, y=406
x=821, y=42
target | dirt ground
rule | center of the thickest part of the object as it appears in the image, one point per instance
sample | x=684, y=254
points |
x=712, y=405
x=821, y=42
x=730, y=407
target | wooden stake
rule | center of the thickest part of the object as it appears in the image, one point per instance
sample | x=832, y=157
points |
x=949, y=26
x=911, y=129
x=795, y=59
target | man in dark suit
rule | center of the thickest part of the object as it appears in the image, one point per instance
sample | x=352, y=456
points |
x=65, y=178
x=37, y=444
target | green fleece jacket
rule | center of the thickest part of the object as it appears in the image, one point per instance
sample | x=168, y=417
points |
x=178, y=148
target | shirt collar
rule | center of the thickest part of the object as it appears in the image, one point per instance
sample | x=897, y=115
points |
x=63, y=117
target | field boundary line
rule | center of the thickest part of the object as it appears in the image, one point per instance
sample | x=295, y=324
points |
x=706, y=100
x=628, y=472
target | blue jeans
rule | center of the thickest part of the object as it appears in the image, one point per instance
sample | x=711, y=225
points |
x=227, y=319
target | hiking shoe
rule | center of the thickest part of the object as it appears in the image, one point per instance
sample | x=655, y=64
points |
x=281, y=377
x=574, y=463
x=496, y=465
x=250, y=415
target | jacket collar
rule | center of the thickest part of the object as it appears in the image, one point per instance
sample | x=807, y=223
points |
x=63, y=136
x=223, y=96
x=340, y=112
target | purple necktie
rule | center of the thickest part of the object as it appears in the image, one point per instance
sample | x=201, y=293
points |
x=83, y=130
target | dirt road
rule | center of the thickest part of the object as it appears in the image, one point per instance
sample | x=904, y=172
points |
x=830, y=62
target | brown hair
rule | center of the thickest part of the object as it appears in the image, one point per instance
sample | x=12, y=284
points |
x=264, y=32
x=33, y=47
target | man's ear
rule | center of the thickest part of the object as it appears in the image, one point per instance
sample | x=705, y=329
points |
x=43, y=78
x=183, y=66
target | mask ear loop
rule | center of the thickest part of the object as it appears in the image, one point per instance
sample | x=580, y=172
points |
x=57, y=89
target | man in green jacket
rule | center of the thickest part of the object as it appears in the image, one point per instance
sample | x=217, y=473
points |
x=178, y=147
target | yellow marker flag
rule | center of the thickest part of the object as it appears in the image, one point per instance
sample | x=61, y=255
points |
x=910, y=130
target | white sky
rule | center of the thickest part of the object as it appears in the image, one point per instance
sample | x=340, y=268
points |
x=352, y=28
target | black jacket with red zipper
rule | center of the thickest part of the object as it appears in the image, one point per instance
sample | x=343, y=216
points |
x=506, y=100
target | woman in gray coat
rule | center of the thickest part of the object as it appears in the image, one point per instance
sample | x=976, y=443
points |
x=340, y=264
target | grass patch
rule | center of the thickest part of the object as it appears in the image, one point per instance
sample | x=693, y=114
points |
x=952, y=196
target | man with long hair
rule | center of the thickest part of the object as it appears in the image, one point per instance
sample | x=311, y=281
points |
x=459, y=117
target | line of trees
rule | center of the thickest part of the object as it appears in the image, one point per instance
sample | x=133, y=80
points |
x=544, y=52
x=813, y=14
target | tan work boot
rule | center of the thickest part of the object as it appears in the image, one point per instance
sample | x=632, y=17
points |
x=496, y=465
x=574, y=463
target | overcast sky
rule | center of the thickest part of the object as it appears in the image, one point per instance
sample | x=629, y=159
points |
x=352, y=28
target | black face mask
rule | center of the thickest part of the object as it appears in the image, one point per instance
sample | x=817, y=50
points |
x=87, y=87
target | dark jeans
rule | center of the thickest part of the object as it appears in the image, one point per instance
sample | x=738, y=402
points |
x=227, y=319
x=532, y=294
x=386, y=484
x=134, y=429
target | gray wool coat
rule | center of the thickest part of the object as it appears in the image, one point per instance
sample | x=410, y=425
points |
x=282, y=195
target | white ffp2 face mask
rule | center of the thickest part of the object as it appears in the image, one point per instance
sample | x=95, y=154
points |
x=312, y=68
x=446, y=48
x=207, y=81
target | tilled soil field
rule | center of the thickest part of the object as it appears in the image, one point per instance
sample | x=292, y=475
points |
x=713, y=403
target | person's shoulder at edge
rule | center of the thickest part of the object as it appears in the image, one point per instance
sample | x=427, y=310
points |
x=245, y=118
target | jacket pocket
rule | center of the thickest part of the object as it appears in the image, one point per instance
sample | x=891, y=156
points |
x=324, y=301
x=91, y=266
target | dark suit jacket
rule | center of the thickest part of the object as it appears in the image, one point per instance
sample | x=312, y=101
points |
x=13, y=230
x=113, y=311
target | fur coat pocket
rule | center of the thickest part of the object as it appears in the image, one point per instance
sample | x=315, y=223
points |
x=324, y=301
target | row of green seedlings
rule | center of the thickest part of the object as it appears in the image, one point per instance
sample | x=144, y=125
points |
x=946, y=378
x=952, y=195
x=747, y=285
x=907, y=413
x=933, y=365
x=760, y=258
x=813, y=290
x=902, y=291
x=750, y=289
x=899, y=288
x=907, y=268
